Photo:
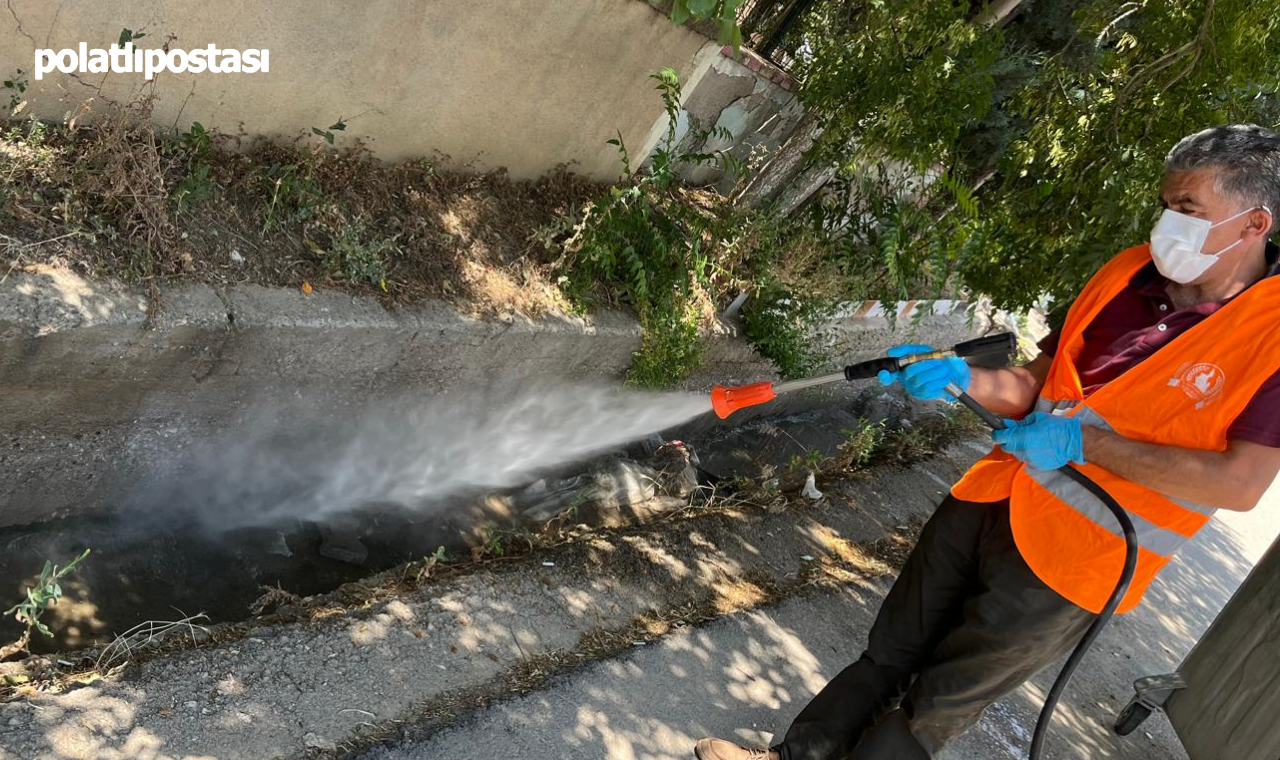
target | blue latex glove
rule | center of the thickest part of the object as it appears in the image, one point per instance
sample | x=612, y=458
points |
x=927, y=379
x=1044, y=441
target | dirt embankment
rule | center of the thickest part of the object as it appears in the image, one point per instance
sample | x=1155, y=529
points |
x=115, y=200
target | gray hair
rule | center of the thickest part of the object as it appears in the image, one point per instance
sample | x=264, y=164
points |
x=1247, y=158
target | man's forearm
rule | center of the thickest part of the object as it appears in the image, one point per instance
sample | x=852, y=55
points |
x=1212, y=478
x=1009, y=391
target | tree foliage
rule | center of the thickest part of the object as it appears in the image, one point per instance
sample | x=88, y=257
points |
x=896, y=80
x=1082, y=181
x=723, y=12
x=1006, y=159
x=1043, y=140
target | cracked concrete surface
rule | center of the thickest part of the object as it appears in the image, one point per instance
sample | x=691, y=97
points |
x=750, y=105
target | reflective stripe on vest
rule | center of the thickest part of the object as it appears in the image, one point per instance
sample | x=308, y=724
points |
x=1150, y=536
x=1089, y=417
x=1049, y=406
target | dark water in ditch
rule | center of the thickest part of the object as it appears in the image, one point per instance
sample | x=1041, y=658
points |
x=310, y=499
x=168, y=571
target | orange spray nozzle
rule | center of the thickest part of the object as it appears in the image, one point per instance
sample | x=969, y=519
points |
x=727, y=400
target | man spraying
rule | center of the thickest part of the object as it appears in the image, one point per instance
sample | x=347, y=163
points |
x=1163, y=386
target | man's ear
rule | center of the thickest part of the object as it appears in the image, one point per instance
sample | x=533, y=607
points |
x=1260, y=221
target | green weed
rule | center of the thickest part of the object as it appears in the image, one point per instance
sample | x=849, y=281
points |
x=670, y=350
x=649, y=247
x=194, y=188
x=813, y=460
x=17, y=88
x=45, y=594
x=358, y=256
x=292, y=195
x=861, y=444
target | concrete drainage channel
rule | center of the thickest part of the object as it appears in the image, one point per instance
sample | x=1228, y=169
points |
x=107, y=408
x=396, y=669
x=148, y=568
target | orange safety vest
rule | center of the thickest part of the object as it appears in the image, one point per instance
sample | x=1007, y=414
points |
x=1186, y=394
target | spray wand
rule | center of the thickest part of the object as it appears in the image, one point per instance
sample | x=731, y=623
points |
x=726, y=400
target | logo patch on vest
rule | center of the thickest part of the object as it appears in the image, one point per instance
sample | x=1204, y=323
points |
x=1201, y=381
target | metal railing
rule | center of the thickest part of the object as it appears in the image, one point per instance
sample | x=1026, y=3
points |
x=769, y=27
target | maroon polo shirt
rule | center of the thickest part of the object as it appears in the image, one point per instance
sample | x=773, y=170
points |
x=1141, y=320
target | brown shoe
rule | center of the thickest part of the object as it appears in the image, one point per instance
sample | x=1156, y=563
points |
x=719, y=749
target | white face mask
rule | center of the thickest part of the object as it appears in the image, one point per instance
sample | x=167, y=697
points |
x=1176, y=241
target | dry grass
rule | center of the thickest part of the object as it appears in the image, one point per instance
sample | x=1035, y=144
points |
x=148, y=635
x=273, y=598
x=52, y=675
x=108, y=197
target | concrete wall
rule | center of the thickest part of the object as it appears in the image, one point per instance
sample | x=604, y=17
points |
x=521, y=84
x=739, y=92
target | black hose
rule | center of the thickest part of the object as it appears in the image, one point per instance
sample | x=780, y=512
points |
x=1104, y=617
x=1122, y=585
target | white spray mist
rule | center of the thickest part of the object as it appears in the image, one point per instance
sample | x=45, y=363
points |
x=413, y=452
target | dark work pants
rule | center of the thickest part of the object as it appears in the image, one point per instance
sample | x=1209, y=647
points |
x=965, y=623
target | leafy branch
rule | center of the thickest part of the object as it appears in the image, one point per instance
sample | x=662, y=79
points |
x=723, y=11
x=45, y=594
